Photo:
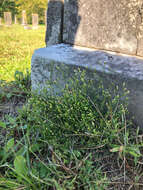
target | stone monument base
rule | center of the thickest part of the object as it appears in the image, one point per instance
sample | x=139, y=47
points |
x=110, y=67
x=28, y=27
x=34, y=27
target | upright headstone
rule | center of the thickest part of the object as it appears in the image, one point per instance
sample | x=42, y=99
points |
x=15, y=20
x=35, y=21
x=101, y=35
x=105, y=24
x=7, y=18
x=24, y=18
x=0, y=21
x=54, y=20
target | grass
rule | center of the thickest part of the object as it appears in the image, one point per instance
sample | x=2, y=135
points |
x=16, y=48
x=68, y=142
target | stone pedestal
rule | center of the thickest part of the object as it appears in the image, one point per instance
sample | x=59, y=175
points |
x=109, y=67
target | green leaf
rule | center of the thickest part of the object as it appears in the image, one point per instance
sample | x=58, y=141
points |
x=23, y=127
x=9, y=95
x=134, y=151
x=9, y=145
x=115, y=149
x=22, y=151
x=20, y=166
x=34, y=147
x=2, y=124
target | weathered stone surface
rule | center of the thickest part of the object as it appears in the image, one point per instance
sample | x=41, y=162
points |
x=7, y=18
x=110, y=67
x=35, y=21
x=54, y=22
x=111, y=25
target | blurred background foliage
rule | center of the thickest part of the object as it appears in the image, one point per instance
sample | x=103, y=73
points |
x=31, y=6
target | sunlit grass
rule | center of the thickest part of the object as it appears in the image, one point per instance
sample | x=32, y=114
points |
x=16, y=48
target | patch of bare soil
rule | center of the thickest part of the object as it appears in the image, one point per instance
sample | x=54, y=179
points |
x=11, y=100
x=10, y=107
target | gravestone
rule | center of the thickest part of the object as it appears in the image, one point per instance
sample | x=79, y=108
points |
x=7, y=18
x=101, y=35
x=110, y=25
x=15, y=20
x=54, y=22
x=24, y=18
x=0, y=21
x=35, y=21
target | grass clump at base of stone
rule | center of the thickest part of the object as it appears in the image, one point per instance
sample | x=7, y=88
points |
x=72, y=141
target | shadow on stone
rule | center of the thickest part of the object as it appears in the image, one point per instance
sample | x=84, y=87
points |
x=72, y=21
